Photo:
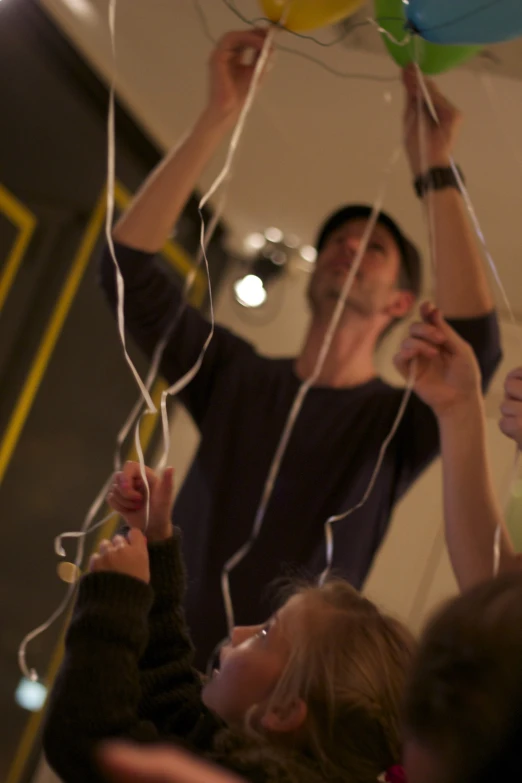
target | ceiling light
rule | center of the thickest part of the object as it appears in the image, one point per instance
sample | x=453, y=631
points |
x=250, y=291
x=309, y=253
x=255, y=241
x=274, y=235
x=278, y=257
x=82, y=8
x=30, y=695
x=292, y=241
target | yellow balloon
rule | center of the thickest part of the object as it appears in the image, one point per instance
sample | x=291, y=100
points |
x=309, y=14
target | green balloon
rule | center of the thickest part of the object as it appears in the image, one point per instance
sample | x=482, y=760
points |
x=431, y=58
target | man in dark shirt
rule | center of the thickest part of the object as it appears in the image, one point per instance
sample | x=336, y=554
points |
x=240, y=400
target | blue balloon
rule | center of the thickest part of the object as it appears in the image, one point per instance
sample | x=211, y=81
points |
x=465, y=21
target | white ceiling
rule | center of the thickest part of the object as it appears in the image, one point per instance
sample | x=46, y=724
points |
x=314, y=140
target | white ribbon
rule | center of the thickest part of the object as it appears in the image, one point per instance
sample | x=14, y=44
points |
x=305, y=387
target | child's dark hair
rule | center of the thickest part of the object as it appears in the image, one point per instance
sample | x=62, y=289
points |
x=464, y=698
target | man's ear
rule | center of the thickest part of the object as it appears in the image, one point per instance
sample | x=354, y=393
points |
x=285, y=719
x=401, y=304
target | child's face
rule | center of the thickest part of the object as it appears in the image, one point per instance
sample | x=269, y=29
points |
x=251, y=665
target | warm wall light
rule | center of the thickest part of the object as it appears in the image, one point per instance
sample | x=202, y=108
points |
x=292, y=241
x=255, y=242
x=263, y=266
x=250, y=291
x=30, y=695
x=81, y=8
x=274, y=235
x=309, y=253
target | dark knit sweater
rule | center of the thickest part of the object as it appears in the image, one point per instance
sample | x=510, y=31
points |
x=128, y=673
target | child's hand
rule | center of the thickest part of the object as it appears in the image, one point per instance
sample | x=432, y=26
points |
x=123, y=556
x=447, y=371
x=128, y=497
x=511, y=408
x=127, y=763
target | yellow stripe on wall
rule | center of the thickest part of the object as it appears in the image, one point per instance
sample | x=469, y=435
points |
x=50, y=337
x=25, y=221
x=183, y=264
x=175, y=254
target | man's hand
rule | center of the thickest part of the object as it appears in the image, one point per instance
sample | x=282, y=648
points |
x=128, y=498
x=440, y=137
x=511, y=408
x=123, y=556
x=232, y=67
x=447, y=373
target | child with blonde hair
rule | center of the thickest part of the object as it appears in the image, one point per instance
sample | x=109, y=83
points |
x=312, y=695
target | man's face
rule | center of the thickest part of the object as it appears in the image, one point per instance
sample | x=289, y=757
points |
x=374, y=289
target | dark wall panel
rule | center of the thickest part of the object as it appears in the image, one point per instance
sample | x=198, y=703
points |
x=52, y=165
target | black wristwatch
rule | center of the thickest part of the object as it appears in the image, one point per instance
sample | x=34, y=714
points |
x=438, y=179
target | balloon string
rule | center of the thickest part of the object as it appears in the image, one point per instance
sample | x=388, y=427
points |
x=470, y=208
x=497, y=542
x=288, y=50
x=240, y=125
x=176, y=388
x=58, y=541
x=223, y=177
x=111, y=176
x=31, y=673
x=325, y=44
x=480, y=235
x=383, y=31
x=120, y=286
x=98, y=501
x=87, y=526
x=162, y=344
x=422, y=136
x=205, y=238
x=264, y=19
x=301, y=396
x=328, y=528
x=80, y=535
x=334, y=71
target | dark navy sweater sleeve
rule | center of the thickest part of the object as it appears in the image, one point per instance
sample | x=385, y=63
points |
x=418, y=435
x=154, y=306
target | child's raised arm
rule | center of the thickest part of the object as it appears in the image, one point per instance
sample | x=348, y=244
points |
x=448, y=380
x=127, y=670
x=97, y=692
x=170, y=686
